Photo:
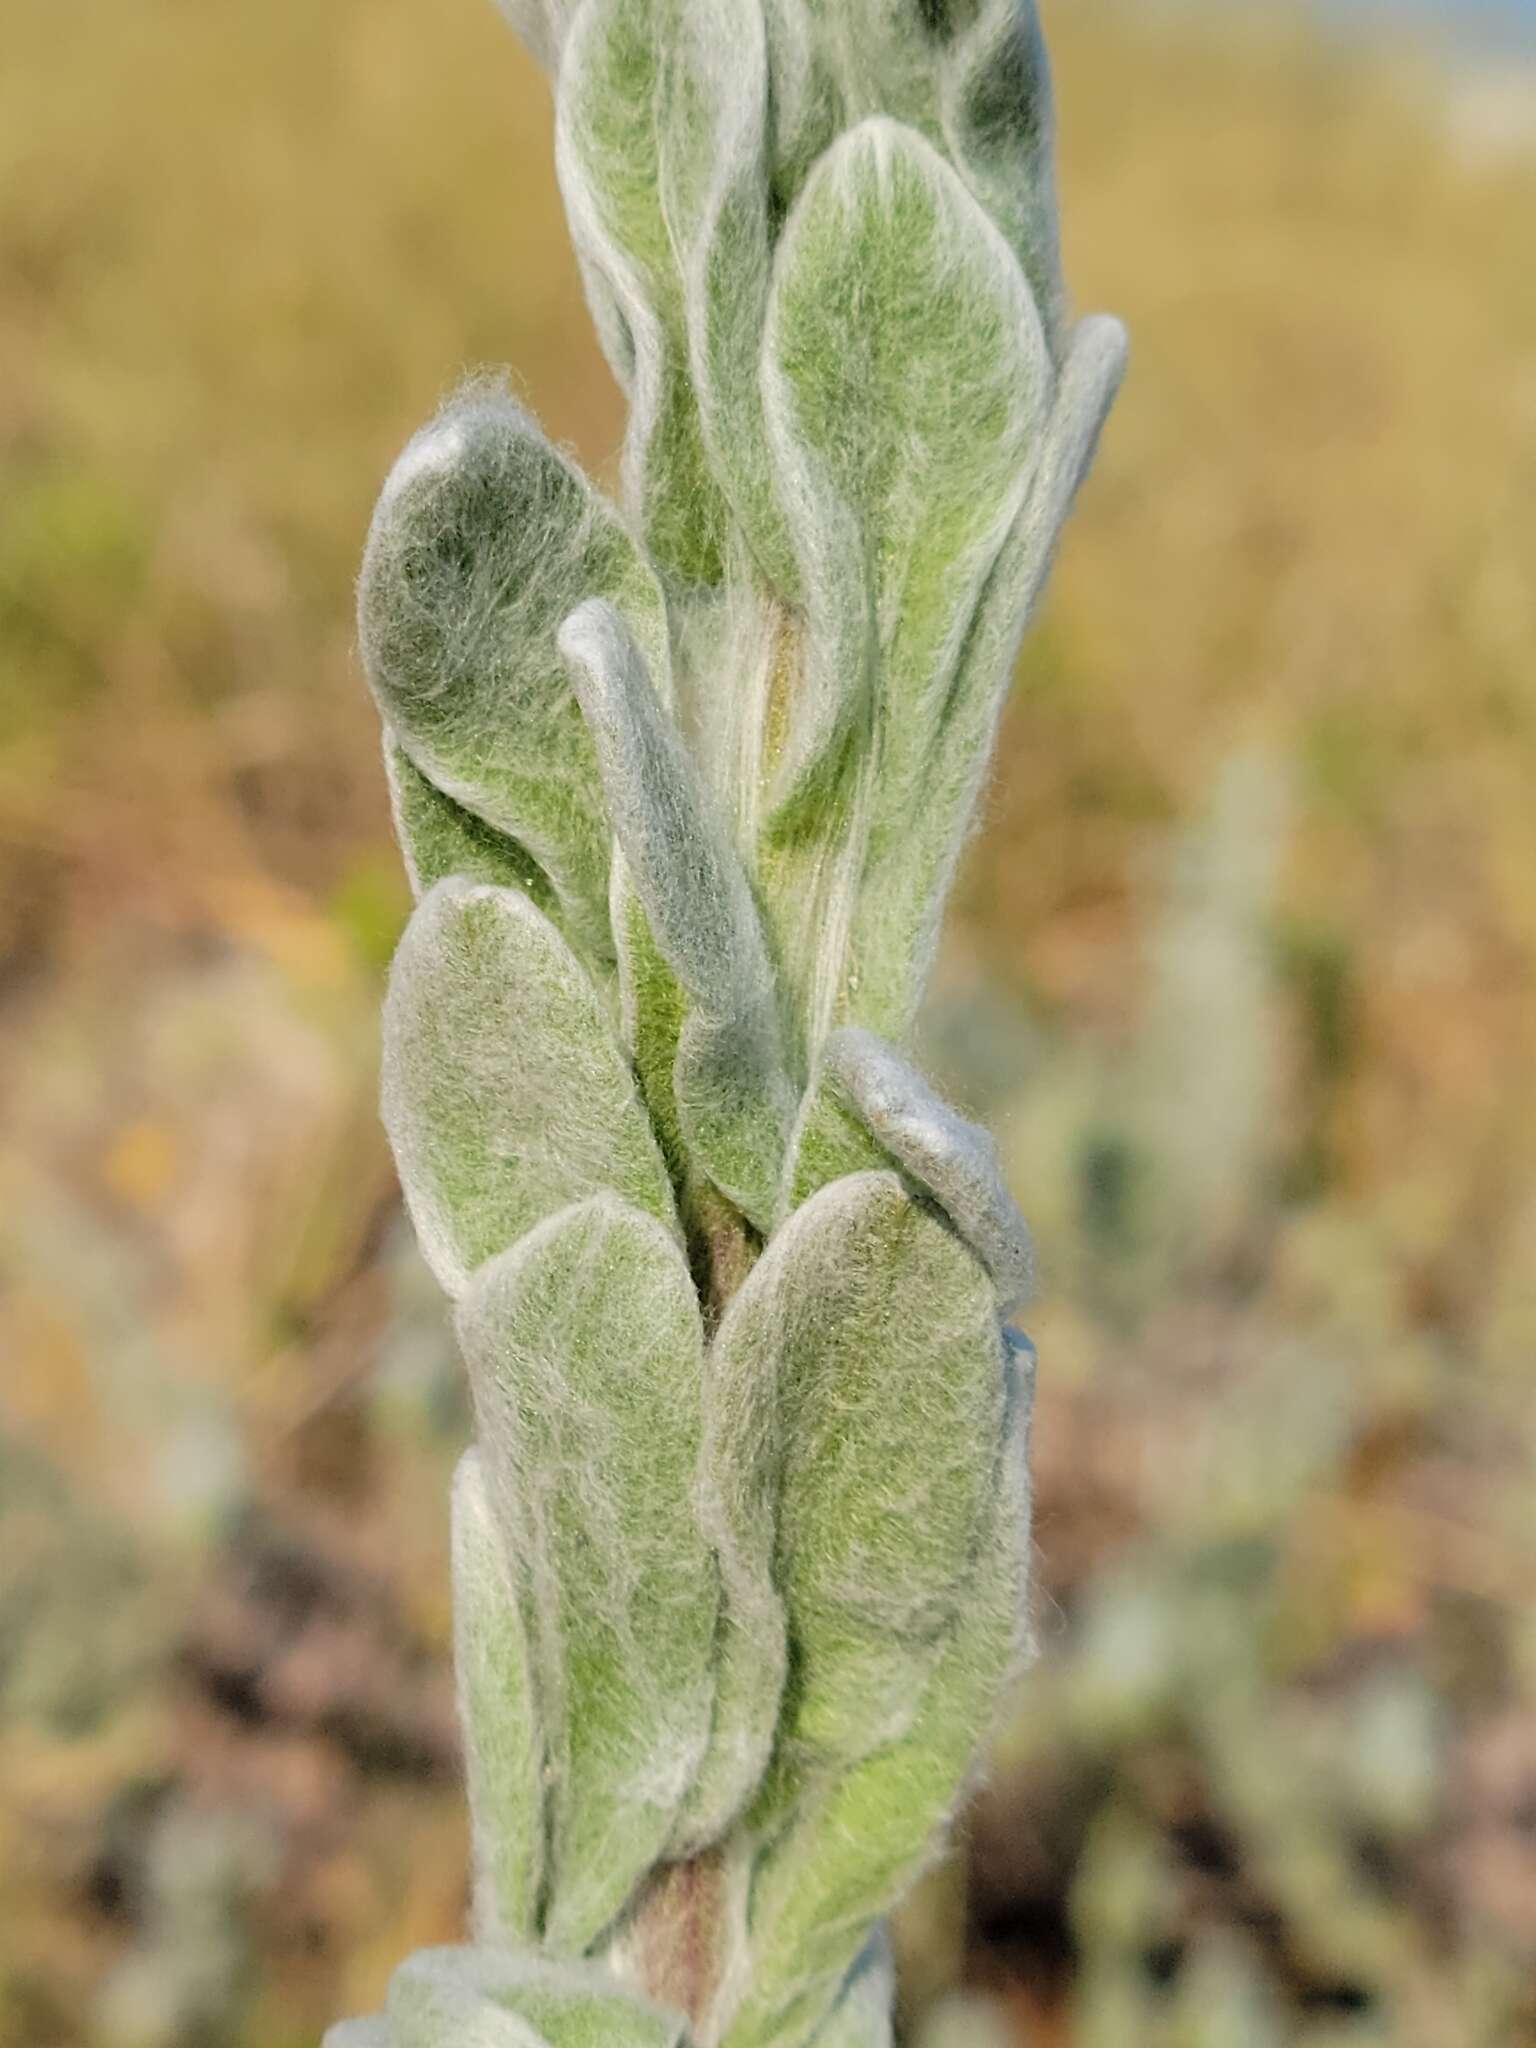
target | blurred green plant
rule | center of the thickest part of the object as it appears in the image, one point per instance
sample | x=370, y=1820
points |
x=740, y=1556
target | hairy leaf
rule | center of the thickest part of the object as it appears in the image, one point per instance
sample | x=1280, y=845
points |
x=585, y=1351
x=542, y=24
x=911, y=858
x=439, y=837
x=734, y=1098
x=504, y=1758
x=862, y=2016
x=659, y=140
x=954, y=1160
x=998, y=125
x=861, y=1836
x=368, y=2033
x=484, y=1998
x=504, y=1095
x=484, y=540
x=903, y=479
x=856, y=1396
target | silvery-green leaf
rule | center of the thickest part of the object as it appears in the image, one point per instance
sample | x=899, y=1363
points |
x=829, y=1142
x=902, y=479
x=736, y=1106
x=466, y=1997
x=504, y=1095
x=542, y=24
x=368, y=2033
x=734, y=1098
x=805, y=102
x=484, y=540
x=652, y=1006
x=864, y=2015
x=739, y=1478
x=837, y=62
x=954, y=1160
x=999, y=127
x=711, y=128
x=662, y=150
x=856, y=1398
x=454, y=1998
x=613, y=119
x=862, y=1835
x=585, y=1352
x=580, y=2007
x=912, y=854
x=503, y=1749
x=439, y=837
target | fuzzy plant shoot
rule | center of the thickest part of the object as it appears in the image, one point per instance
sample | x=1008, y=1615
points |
x=740, y=1552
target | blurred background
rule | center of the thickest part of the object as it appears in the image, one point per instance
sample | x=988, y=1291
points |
x=1243, y=968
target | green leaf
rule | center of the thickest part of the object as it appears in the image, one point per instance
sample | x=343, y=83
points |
x=504, y=1095
x=484, y=540
x=860, y=1837
x=585, y=1351
x=856, y=1400
x=863, y=2016
x=905, y=480
x=830, y=1141
x=484, y=1998
x=735, y=1100
x=955, y=1161
x=837, y=62
x=651, y=1009
x=913, y=850
x=439, y=837
x=660, y=116
x=542, y=24
x=503, y=1749
x=1000, y=130
x=369, y=2033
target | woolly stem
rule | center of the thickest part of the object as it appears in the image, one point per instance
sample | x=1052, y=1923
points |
x=722, y=1248
x=676, y=1939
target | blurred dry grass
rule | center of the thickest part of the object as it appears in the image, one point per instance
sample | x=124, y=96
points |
x=1244, y=959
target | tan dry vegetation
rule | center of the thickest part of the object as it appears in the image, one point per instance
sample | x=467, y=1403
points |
x=243, y=250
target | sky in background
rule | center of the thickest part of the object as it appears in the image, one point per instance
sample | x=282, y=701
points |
x=1487, y=20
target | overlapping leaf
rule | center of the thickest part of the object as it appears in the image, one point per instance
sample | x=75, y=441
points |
x=904, y=480
x=857, y=1389
x=860, y=1836
x=488, y=1998
x=661, y=136
x=439, y=838
x=913, y=849
x=585, y=1351
x=484, y=540
x=733, y=1094
x=504, y=1755
x=504, y=1095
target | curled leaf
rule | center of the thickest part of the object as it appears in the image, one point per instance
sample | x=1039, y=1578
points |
x=660, y=137
x=998, y=124
x=734, y=1098
x=484, y=540
x=954, y=1160
x=439, y=837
